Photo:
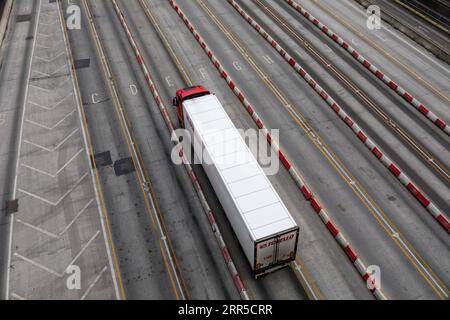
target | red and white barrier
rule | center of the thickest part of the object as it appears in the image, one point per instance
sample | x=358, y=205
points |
x=369, y=66
x=309, y=196
x=210, y=214
x=363, y=137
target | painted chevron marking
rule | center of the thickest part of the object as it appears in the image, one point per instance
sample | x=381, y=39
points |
x=53, y=73
x=41, y=46
x=57, y=172
x=83, y=249
x=36, y=228
x=49, y=24
x=57, y=146
x=51, y=271
x=38, y=265
x=54, y=204
x=51, y=59
x=39, y=88
x=55, y=125
x=76, y=218
x=53, y=106
x=16, y=296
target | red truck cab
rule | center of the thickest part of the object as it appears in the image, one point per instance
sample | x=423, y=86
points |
x=186, y=94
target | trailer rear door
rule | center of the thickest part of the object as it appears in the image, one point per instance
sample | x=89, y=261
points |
x=276, y=251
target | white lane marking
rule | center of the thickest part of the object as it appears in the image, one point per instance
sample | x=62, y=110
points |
x=36, y=228
x=53, y=107
x=8, y=269
x=203, y=73
x=53, y=73
x=94, y=98
x=39, y=88
x=41, y=46
x=16, y=296
x=2, y=118
x=54, y=204
x=378, y=213
x=38, y=265
x=133, y=89
x=55, y=125
x=48, y=13
x=93, y=283
x=169, y=81
x=51, y=271
x=97, y=197
x=49, y=24
x=83, y=249
x=56, y=147
x=51, y=59
x=43, y=35
x=57, y=172
x=76, y=218
x=268, y=59
x=42, y=73
x=8, y=266
x=440, y=66
x=423, y=29
x=401, y=39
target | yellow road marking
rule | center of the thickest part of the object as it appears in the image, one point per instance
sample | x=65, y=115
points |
x=423, y=153
x=283, y=99
x=118, y=104
x=434, y=23
x=97, y=178
x=388, y=55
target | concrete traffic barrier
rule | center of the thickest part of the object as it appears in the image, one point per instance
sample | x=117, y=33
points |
x=163, y=109
x=390, y=83
x=294, y=173
x=431, y=207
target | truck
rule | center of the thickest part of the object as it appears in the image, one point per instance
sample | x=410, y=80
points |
x=265, y=229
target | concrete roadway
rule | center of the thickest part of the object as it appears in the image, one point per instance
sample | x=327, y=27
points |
x=201, y=263
x=337, y=275
x=17, y=57
x=169, y=79
x=429, y=137
x=140, y=260
x=422, y=27
x=58, y=229
x=400, y=57
x=401, y=277
x=199, y=257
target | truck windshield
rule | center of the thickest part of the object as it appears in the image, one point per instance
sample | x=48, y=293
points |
x=197, y=95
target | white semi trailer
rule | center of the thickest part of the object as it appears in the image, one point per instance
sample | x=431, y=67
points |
x=264, y=227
